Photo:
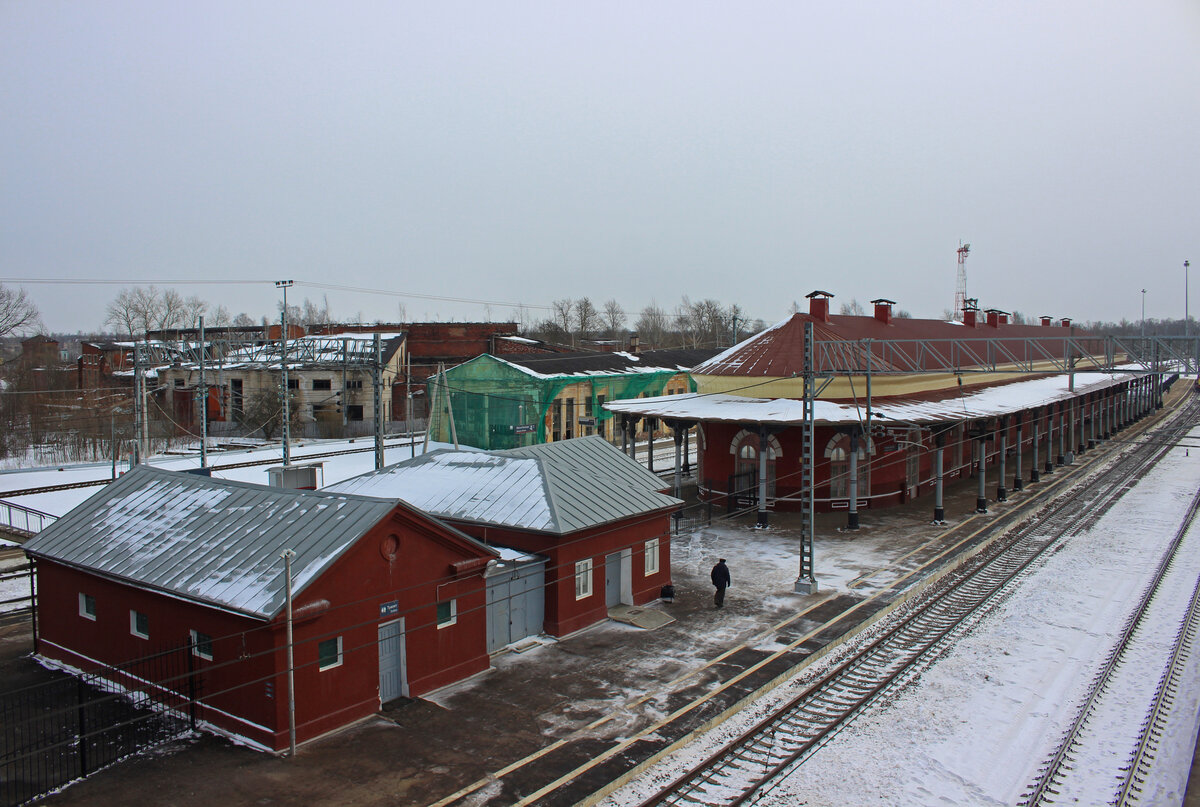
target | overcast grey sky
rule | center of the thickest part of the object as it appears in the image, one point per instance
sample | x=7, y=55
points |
x=521, y=152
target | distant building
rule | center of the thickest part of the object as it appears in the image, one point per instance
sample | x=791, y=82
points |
x=500, y=403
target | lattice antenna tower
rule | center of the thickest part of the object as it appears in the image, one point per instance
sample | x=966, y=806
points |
x=960, y=286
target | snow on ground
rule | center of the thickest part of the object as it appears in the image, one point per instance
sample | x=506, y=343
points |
x=976, y=725
x=335, y=469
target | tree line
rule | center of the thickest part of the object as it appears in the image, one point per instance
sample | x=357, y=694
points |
x=581, y=323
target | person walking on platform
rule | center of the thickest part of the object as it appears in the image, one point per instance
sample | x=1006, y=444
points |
x=720, y=579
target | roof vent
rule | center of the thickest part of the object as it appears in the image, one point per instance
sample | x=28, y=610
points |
x=1046, y=321
x=1065, y=322
x=883, y=310
x=818, y=305
x=996, y=317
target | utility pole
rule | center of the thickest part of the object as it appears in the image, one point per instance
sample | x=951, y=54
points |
x=139, y=404
x=378, y=379
x=287, y=409
x=1143, y=313
x=412, y=442
x=1187, y=320
x=203, y=402
x=806, y=581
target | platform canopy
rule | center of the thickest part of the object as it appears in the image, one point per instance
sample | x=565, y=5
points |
x=995, y=401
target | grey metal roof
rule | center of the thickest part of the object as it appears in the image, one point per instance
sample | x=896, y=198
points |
x=211, y=540
x=557, y=487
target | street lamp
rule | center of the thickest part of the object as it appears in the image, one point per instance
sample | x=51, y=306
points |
x=287, y=409
x=1143, y=313
x=1186, y=319
x=112, y=429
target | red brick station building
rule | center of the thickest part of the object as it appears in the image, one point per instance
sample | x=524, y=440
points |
x=946, y=400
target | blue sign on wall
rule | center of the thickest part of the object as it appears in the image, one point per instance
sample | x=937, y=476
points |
x=524, y=428
x=389, y=608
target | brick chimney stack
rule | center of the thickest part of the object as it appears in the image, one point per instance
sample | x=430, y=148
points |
x=1045, y=321
x=818, y=305
x=971, y=312
x=883, y=310
x=635, y=343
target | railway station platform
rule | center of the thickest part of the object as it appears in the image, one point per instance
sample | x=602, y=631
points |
x=557, y=722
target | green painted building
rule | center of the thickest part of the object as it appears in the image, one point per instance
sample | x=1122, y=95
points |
x=500, y=403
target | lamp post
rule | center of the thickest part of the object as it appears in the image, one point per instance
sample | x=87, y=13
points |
x=1143, y=313
x=287, y=409
x=112, y=428
x=1187, y=325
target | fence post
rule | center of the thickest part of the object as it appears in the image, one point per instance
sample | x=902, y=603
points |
x=81, y=712
x=191, y=668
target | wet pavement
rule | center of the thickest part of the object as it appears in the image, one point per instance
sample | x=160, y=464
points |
x=558, y=722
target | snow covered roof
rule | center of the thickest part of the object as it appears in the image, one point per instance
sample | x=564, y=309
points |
x=599, y=362
x=980, y=403
x=210, y=540
x=557, y=487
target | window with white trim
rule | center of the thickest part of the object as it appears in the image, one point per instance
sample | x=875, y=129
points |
x=201, y=645
x=329, y=653
x=583, y=579
x=139, y=624
x=87, y=606
x=447, y=613
x=652, y=557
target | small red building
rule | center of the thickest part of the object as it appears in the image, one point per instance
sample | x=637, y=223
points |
x=599, y=518
x=386, y=601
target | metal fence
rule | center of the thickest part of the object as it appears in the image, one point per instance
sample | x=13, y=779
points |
x=72, y=727
x=23, y=519
x=691, y=518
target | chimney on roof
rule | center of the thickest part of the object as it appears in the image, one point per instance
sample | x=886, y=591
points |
x=1045, y=321
x=818, y=305
x=971, y=312
x=883, y=310
x=635, y=343
x=1065, y=322
x=996, y=317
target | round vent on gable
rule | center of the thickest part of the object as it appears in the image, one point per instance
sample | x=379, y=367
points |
x=389, y=547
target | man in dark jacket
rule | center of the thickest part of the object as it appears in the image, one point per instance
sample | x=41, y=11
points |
x=720, y=579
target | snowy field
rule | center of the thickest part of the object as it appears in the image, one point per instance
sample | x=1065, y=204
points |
x=976, y=725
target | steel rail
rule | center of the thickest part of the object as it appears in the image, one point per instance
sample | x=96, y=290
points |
x=780, y=742
x=1056, y=768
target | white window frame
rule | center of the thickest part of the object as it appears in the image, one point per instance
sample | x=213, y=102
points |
x=133, y=629
x=453, y=614
x=84, y=612
x=196, y=651
x=651, y=557
x=322, y=667
x=583, y=579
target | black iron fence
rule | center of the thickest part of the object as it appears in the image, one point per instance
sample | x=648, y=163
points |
x=691, y=518
x=55, y=733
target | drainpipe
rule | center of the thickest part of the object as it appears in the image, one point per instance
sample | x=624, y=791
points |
x=291, y=672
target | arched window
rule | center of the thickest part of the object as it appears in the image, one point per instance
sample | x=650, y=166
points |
x=838, y=454
x=746, y=463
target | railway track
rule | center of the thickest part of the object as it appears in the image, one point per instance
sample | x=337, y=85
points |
x=747, y=766
x=1058, y=768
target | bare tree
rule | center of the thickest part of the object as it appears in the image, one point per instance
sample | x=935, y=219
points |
x=560, y=314
x=587, y=318
x=220, y=318
x=651, y=326
x=243, y=320
x=17, y=311
x=614, y=319
x=902, y=314
x=194, y=308
x=853, y=308
x=312, y=314
x=135, y=311
x=171, y=309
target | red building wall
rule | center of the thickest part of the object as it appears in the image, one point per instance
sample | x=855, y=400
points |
x=565, y=614
x=244, y=687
